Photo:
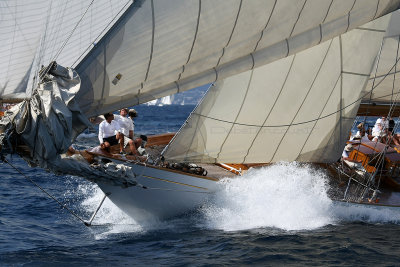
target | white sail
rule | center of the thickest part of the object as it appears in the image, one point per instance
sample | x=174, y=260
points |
x=21, y=28
x=33, y=33
x=299, y=108
x=384, y=81
x=159, y=48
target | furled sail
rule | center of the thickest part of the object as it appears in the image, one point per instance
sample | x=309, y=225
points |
x=159, y=48
x=299, y=108
x=34, y=33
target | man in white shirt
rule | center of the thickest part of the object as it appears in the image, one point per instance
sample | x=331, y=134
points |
x=126, y=127
x=109, y=133
x=380, y=129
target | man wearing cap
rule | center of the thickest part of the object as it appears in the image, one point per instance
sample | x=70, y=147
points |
x=126, y=127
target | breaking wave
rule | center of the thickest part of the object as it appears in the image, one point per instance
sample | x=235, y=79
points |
x=288, y=196
x=285, y=196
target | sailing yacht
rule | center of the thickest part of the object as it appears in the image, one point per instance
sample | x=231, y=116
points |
x=288, y=79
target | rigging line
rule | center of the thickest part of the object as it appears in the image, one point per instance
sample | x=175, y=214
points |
x=64, y=206
x=373, y=81
x=101, y=33
x=379, y=76
x=73, y=30
x=341, y=90
x=186, y=122
x=395, y=68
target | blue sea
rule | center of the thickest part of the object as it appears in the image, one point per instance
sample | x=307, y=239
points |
x=279, y=215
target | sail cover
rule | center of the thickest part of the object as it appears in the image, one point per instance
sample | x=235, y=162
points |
x=384, y=83
x=159, y=48
x=34, y=33
x=299, y=108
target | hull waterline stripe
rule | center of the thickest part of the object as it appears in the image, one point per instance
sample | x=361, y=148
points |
x=165, y=180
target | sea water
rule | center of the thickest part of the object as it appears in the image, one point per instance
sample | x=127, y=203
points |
x=276, y=215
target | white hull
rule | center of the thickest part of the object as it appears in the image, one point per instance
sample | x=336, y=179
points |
x=167, y=193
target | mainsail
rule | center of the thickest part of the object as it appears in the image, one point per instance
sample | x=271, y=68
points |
x=299, y=108
x=159, y=48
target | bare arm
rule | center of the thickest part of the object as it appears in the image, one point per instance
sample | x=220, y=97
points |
x=101, y=133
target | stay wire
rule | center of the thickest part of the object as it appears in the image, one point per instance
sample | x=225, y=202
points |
x=43, y=190
x=106, y=27
x=72, y=32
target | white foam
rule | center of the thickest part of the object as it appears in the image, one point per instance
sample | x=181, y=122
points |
x=86, y=136
x=366, y=213
x=109, y=214
x=288, y=196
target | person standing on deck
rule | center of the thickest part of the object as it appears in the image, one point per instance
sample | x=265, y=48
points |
x=127, y=127
x=109, y=133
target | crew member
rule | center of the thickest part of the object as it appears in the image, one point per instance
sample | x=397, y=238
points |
x=126, y=127
x=109, y=133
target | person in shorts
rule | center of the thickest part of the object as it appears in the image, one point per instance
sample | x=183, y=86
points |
x=109, y=133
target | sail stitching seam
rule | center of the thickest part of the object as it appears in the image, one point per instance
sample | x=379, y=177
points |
x=348, y=15
x=270, y=111
x=266, y=25
x=323, y=21
x=193, y=43
x=319, y=116
x=294, y=26
x=283, y=125
x=369, y=29
x=304, y=99
x=152, y=41
x=238, y=113
x=376, y=11
x=233, y=30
